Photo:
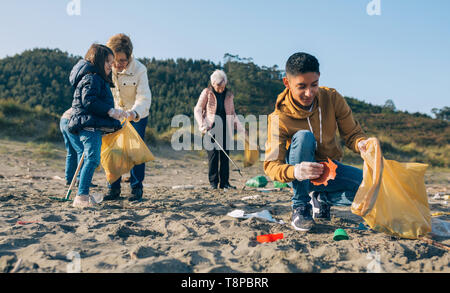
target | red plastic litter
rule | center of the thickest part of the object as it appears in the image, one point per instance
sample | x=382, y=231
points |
x=26, y=222
x=269, y=237
x=329, y=173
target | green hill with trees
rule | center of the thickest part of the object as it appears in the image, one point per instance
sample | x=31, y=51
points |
x=35, y=91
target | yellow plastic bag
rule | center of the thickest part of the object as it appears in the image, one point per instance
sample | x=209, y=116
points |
x=122, y=150
x=392, y=197
x=251, y=156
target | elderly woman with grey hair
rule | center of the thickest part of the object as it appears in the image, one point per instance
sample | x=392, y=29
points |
x=215, y=109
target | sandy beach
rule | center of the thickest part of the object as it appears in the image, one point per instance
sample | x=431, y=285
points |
x=185, y=230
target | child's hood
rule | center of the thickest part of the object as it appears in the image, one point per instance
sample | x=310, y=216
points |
x=80, y=69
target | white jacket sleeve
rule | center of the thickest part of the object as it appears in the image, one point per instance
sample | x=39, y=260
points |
x=143, y=95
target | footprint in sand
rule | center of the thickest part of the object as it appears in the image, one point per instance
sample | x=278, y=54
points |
x=52, y=218
x=145, y=252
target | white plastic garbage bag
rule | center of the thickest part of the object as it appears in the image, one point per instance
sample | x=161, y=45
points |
x=440, y=227
x=264, y=214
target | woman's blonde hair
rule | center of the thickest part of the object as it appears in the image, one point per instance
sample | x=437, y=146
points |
x=121, y=43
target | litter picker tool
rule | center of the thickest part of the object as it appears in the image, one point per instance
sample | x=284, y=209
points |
x=72, y=184
x=221, y=148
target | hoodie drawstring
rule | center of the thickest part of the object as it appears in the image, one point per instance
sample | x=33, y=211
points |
x=320, y=122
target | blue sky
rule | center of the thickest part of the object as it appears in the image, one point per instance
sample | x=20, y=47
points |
x=402, y=54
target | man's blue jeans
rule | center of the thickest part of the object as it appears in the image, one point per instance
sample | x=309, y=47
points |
x=339, y=192
x=137, y=174
x=92, y=143
x=74, y=149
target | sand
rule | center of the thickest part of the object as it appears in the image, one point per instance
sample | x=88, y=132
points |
x=184, y=230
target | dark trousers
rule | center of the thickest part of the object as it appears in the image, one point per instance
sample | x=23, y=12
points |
x=138, y=172
x=218, y=163
x=219, y=169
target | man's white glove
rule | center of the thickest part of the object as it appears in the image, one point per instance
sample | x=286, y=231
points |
x=307, y=170
x=362, y=145
x=117, y=114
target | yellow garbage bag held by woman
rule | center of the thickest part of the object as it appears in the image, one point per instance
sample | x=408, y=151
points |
x=122, y=150
x=392, y=197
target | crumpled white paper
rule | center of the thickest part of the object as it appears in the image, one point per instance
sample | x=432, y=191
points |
x=183, y=187
x=250, y=197
x=264, y=214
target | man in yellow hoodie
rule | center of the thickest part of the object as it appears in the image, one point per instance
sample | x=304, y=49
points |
x=302, y=132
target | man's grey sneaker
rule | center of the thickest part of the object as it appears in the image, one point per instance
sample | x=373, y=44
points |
x=301, y=218
x=320, y=206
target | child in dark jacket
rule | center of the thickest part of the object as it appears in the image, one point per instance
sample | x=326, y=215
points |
x=93, y=112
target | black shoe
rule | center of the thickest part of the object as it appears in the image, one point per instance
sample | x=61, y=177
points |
x=301, y=218
x=212, y=186
x=113, y=194
x=136, y=194
x=227, y=186
x=320, y=206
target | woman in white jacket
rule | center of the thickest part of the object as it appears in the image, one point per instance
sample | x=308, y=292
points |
x=132, y=94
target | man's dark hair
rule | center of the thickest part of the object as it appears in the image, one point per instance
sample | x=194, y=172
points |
x=300, y=63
